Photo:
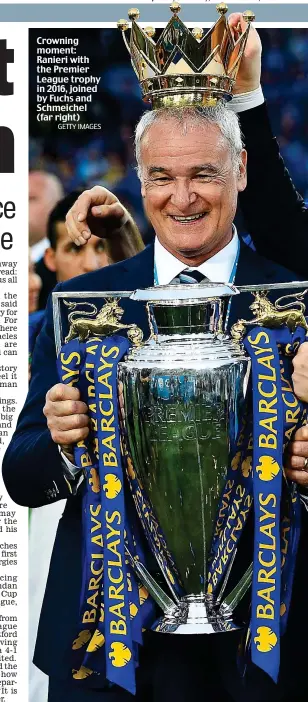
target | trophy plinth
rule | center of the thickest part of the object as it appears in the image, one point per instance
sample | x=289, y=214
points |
x=195, y=614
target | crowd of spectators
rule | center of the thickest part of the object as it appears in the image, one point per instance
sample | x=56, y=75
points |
x=106, y=157
x=285, y=83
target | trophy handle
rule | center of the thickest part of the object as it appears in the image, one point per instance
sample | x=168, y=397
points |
x=236, y=595
x=272, y=315
x=153, y=333
x=158, y=594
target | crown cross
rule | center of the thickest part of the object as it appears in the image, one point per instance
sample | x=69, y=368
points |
x=184, y=67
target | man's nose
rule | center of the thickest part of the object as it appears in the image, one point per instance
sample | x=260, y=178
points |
x=90, y=260
x=183, y=195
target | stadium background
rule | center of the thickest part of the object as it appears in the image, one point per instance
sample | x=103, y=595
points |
x=106, y=157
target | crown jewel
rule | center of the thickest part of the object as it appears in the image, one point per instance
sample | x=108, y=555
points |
x=185, y=67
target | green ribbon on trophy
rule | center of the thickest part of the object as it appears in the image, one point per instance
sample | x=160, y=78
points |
x=255, y=478
x=114, y=606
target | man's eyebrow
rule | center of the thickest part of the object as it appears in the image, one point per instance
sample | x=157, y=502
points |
x=206, y=167
x=157, y=169
x=209, y=167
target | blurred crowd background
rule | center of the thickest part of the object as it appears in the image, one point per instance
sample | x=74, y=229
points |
x=106, y=157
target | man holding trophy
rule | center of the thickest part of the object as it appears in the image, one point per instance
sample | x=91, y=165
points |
x=199, y=452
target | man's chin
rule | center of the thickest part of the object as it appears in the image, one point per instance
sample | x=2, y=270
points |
x=192, y=248
x=192, y=253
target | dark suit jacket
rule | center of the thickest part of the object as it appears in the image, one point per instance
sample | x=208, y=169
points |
x=275, y=214
x=32, y=466
x=49, y=281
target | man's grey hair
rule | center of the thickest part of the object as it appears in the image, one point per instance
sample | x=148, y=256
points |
x=225, y=119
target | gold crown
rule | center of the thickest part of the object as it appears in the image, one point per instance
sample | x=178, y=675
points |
x=186, y=68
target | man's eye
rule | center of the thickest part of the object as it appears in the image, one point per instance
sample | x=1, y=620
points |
x=162, y=179
x=72, y=248
x=204, y=176
x=100, y=248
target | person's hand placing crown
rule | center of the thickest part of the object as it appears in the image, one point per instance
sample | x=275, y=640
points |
x=249, y=73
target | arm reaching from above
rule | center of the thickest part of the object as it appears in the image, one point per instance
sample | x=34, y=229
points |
x=274, y=212
x=248, y=77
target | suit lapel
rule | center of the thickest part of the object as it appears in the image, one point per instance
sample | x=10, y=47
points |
x=137, y=272
x=252, y=269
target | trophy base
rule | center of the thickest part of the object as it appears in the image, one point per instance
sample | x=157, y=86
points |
x=194, y=615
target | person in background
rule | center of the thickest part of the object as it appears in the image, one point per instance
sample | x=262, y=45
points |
x=35, y=285
x=45, y=190
x=62, y=257
x=65, y=260
x=35, y=316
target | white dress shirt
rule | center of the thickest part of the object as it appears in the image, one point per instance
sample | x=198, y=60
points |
x=246, y=101
x=217, y=269
x=38, y=249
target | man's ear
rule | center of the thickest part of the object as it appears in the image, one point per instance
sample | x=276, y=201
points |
x=242, y=173
x=50, y=259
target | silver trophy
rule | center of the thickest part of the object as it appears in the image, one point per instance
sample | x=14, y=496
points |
x=184, y=395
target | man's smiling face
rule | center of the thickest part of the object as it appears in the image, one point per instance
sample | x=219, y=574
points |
x=190, y=186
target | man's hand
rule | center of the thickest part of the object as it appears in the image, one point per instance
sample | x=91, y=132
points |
x=96, y=211
x=66, y=414
x=300, y=373
x=296, y=464
x=248, y=77
x=297, y=458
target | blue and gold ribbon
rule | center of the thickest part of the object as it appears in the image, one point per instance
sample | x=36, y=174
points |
x=267, y=485
x=255, y=478
x=276, y=415
x=114, y=606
